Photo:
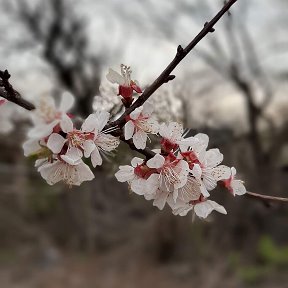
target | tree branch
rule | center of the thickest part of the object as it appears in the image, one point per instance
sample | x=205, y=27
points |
x=266, y=198
x=9, y=93
x=146, y=152
x=180, y=55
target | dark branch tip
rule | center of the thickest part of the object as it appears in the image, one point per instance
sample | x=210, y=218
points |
x=211, y=30
x=180, y=50
x=6, y=75
x=169, y=78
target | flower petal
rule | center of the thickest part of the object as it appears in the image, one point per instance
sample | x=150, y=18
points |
x=152, y=184
x=66, y=124
x=186, y=142
x=221, y=172
x=43, y=130
x=156, y=162
x=139, y=139
x=89, y=147
x=238, y=187
x=90, y=123
x=213, y=157
x=196, y=171
x=115, y=77
x=148, y=109
x=102, y=119
x=233, y=171
x=129, y=130
x=136, y=113
x=191, y=191
x=136, y=87
x=107, y=142
x=208, y=180
x=176, y=130
x=96, y=158
x=203, y=209
x=125, y=173
x=84, y=173
x=136, y=161
x=73, y=156
x=67, y=102
x=55, y=143
x=30, y=147
x=138, y=186
x=160, y=199
x=50, y=172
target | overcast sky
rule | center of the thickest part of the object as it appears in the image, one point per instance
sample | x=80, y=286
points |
x=111, y=28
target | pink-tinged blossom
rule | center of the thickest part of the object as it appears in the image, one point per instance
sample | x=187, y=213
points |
x=104, y=142
x=31, y=147
x=88, y=141
x=173, y=138
x=173, y=173
x=204, y=164
x=47, y=116
x=139, y=124
x=235, y=186
x=70, y=174
x=139, y=176
x=202, y=208
x=126, y=85
x=78, y=141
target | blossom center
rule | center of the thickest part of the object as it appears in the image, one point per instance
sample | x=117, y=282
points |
x=191, y=159
x=77, y=138
x=168, y=145
x=143, y=171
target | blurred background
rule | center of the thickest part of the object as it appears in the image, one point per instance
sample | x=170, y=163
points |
x=233, y=87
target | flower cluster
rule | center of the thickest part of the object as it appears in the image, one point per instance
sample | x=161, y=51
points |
x=60, y=147
x=182, y=173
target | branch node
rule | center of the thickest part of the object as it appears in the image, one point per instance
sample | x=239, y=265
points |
x=180, y=50
x=9, y=93
x=211, y=30
x=169, y=78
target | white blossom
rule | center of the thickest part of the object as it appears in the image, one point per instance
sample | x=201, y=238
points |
x=138, y=177
x=139, y=124
x=126, y=85
x=202, y=208
x=62, y=171
x=172, y=134
x=104, y=142
x=204, y=164
x=47, y=116
x=173, y=173
x=78, y=141
x=235, y=186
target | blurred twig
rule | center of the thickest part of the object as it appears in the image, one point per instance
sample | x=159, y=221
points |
x=165, y=76
x=8, y=92
x=13, y=96
x=266, y=197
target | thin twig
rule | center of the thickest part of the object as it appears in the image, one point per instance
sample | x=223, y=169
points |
x=266, y=197
x=9, y=93
x=180, y=55
x=14, y=96
x=146, y=152
x=164, y=77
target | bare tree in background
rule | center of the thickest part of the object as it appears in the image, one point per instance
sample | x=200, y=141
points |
x=235, y=58
x=64, y=42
